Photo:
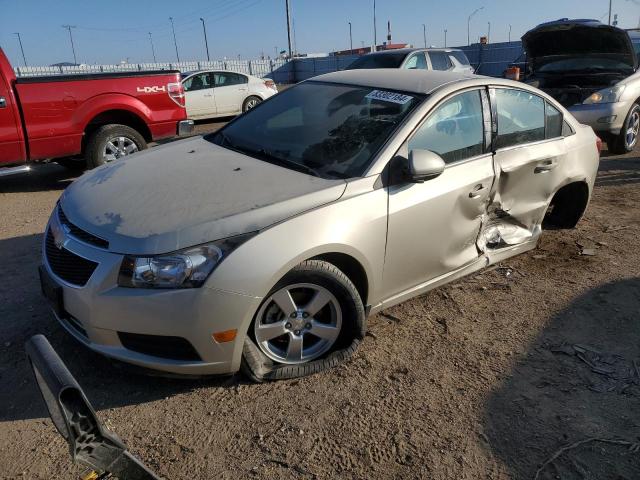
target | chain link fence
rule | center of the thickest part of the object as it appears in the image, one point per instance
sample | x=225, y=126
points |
x=489, y=60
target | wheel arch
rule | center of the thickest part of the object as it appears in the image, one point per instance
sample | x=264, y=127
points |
x=117, y=116
x=567, y=206
x=352, y=268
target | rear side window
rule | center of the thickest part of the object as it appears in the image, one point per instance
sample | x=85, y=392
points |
x=554, y=122
x=521, y=117
x=460, y=57
x=225, y=79
x=416, y=61
x=454, y=130
x=440, y=60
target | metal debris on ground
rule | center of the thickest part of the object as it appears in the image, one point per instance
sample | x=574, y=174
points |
x=615, y=373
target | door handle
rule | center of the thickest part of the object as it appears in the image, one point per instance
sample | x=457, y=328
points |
x=545, y=166
x=3, y=102
x=477, y=191
x=207, y=95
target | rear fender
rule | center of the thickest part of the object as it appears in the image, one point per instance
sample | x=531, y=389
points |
x=93, y=107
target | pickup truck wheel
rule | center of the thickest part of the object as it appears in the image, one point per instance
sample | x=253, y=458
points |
x=628, y=137
x=111, y=142
x=312, y=320
x=250, y=102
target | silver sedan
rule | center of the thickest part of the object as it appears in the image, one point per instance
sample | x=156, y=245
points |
x=265, y=246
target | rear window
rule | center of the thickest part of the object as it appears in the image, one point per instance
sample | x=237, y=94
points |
x=460, y=57
x=385, y=60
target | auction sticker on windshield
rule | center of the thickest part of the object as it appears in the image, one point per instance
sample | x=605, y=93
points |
x=389, y=97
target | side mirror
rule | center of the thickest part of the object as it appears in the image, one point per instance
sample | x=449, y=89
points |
x=424, y=165
x=90, y=444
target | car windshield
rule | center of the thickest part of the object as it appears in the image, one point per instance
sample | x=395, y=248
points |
x=584, y=64
x=380, y=60
x=324, y=129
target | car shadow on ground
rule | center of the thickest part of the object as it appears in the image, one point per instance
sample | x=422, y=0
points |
x=47, y=176
x=24, y=312
x=572, y=400
x=617, y=170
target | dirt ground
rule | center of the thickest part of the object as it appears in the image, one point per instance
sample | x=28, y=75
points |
x=530, y=370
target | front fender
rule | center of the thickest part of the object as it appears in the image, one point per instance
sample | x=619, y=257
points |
x=355, y=226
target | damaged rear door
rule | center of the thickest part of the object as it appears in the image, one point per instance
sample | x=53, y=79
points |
x=529, y=151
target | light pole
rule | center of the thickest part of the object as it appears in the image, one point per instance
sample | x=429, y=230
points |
x=153, y=50
x=21, y=49
x=350, y=39
x=206, y=44
x=424, y=34
x=510, y=32
x=289, y=28
x=610, y=5
x=175, y=43
x=73, y=48
x=375, y=34
x=489, y=33
x=469, y=24
x=445, y=38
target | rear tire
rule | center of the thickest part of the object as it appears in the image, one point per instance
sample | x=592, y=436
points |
x=325, y=277
x=250, y=103
x=101, y=143
x=627, y=139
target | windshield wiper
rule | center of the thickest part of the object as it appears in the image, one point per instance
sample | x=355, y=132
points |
x=266, y=155
x=269, y=156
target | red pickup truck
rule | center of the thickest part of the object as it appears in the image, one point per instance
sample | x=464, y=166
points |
x=85, y=120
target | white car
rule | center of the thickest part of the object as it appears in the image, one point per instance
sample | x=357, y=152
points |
x=439, y=59
x=218, y=93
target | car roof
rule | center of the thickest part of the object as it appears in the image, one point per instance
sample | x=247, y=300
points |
x=407, y=51
x=415, y=81
x=209, y=70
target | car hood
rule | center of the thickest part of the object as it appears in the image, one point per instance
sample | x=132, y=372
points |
x=578, y=38
x=188, y=193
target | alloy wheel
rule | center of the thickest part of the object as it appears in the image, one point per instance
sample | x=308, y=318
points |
x=633, y=128
x=117, y=147
x=298, y=323
x=252, y=103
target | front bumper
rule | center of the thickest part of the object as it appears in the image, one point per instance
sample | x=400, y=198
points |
x=185, y=128
x=605, y=117
x=98, y=312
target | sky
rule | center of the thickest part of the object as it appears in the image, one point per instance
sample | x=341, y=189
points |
x=110, y=31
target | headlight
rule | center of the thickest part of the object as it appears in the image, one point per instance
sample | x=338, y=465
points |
x=187, y=268
x=608, y=95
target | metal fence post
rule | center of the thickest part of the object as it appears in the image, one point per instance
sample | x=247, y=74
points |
x=250, y=69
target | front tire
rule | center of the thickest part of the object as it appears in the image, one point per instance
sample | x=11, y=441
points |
x=112, y=142
x=313, y=319
x=627, y=139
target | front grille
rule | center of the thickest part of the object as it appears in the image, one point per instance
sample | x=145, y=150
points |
x=80, y=234
x=66, y=265
x=173, y=348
